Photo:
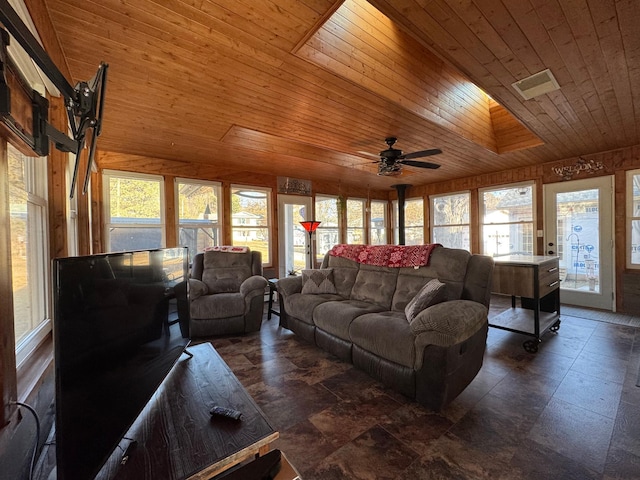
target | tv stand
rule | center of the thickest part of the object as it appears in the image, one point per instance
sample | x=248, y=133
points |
x=177, y=437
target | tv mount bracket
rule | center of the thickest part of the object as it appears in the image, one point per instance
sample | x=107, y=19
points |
x=84, y=102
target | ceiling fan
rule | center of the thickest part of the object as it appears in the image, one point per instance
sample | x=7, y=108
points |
x=392, y=159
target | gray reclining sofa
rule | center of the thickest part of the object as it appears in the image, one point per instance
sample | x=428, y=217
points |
x=432, y=357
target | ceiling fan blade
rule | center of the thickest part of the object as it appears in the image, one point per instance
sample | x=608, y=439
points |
x=414, y=163
x=422, y=153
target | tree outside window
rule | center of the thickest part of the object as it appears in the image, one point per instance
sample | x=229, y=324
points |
x=355, y=221
x=328, y=233
x=450, y=220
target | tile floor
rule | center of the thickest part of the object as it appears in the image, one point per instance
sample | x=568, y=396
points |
x=571, y=411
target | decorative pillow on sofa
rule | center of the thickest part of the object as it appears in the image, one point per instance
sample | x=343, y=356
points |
x=318, y=281
x=433, y=292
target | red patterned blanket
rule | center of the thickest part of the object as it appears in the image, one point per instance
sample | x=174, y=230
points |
x=386, y=255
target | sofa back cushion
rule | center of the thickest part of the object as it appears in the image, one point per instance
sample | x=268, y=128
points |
x=224, y=272
x=449, y=265
x=344, y=273
x=375, y=285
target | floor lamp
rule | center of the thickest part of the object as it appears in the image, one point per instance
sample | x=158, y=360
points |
x=310, y=226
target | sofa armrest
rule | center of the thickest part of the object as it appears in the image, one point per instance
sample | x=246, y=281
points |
x=197, y=288
x=254, y=285
x=289, y=285
x=448, y=323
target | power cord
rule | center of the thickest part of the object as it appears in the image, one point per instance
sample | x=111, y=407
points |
x=35, y=447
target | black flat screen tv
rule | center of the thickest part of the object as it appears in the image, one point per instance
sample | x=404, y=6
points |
x=117, y=334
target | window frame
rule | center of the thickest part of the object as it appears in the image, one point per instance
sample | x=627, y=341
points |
x=362, y=228
x=432, y=221
x=37, y=203
x=631, y=216
x=530, y=185
x=323, y=225
x=106, y=194
x=219, y=225
x=269, y=193
x=385, y=221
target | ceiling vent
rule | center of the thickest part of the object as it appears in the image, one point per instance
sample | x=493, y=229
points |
x=537, y=84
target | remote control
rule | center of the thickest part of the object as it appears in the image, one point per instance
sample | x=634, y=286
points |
x=226, y=412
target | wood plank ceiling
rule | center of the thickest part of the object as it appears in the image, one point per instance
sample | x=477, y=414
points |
x=311, y=88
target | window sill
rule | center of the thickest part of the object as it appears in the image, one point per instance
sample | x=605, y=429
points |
x=35, y=369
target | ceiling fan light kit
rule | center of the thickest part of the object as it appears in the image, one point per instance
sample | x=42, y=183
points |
x=392, y=159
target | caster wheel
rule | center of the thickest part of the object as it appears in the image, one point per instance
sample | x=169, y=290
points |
x=555, y=327
x=531, y=346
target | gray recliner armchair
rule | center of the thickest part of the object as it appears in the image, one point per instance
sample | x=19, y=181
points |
x=226, y=292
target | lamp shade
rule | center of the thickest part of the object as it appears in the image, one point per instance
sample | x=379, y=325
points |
x=310, y=225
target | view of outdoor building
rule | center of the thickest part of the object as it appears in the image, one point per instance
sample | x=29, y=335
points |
x=250, y=219
x=198, y=215
x=507, y=221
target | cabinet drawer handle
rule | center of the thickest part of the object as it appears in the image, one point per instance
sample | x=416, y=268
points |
x=553, y=269
x=554, y=283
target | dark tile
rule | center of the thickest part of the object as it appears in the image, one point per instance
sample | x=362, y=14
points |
x=416, y=426
x=621, y=465
x=574, y=432
x=450, y=458
x=603, y=367
x=626, y=433
x=304, y=445
x=373, y=455
x=590, y=393
x=532, y=461
x=345, y=420
x=617, y=347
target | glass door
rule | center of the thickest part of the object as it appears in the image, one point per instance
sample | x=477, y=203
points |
x=579, y=230
x=292, y=237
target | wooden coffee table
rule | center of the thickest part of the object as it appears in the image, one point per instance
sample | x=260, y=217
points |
x=178, y=439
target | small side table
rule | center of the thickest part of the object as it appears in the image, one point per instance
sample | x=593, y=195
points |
x=273, y=288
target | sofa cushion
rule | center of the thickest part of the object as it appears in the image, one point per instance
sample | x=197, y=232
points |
x=375, y=285
x=433, y=292
x=301, y=306
x=318, y=281
x=385, y=334
x=335, y=317
x=219, y=305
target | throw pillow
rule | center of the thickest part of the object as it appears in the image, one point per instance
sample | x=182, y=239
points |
x=318, y=281
x=433, y=292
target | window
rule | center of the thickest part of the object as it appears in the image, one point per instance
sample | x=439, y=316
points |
x=507, y=220
x=450, y=220
x=355, y=221
x=199, y=213
x=72, y=212
x=328, y=233
x=633, y=219
x=135, y=214
x=29, y=249
x=378, y=225
x=414, y=222
x=250, y=219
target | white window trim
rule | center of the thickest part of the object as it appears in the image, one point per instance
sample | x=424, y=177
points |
x=106, y=175
x=630, y=218
x=432, y=207
x=269, y=192
x=481, y=191
x=363, y=226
